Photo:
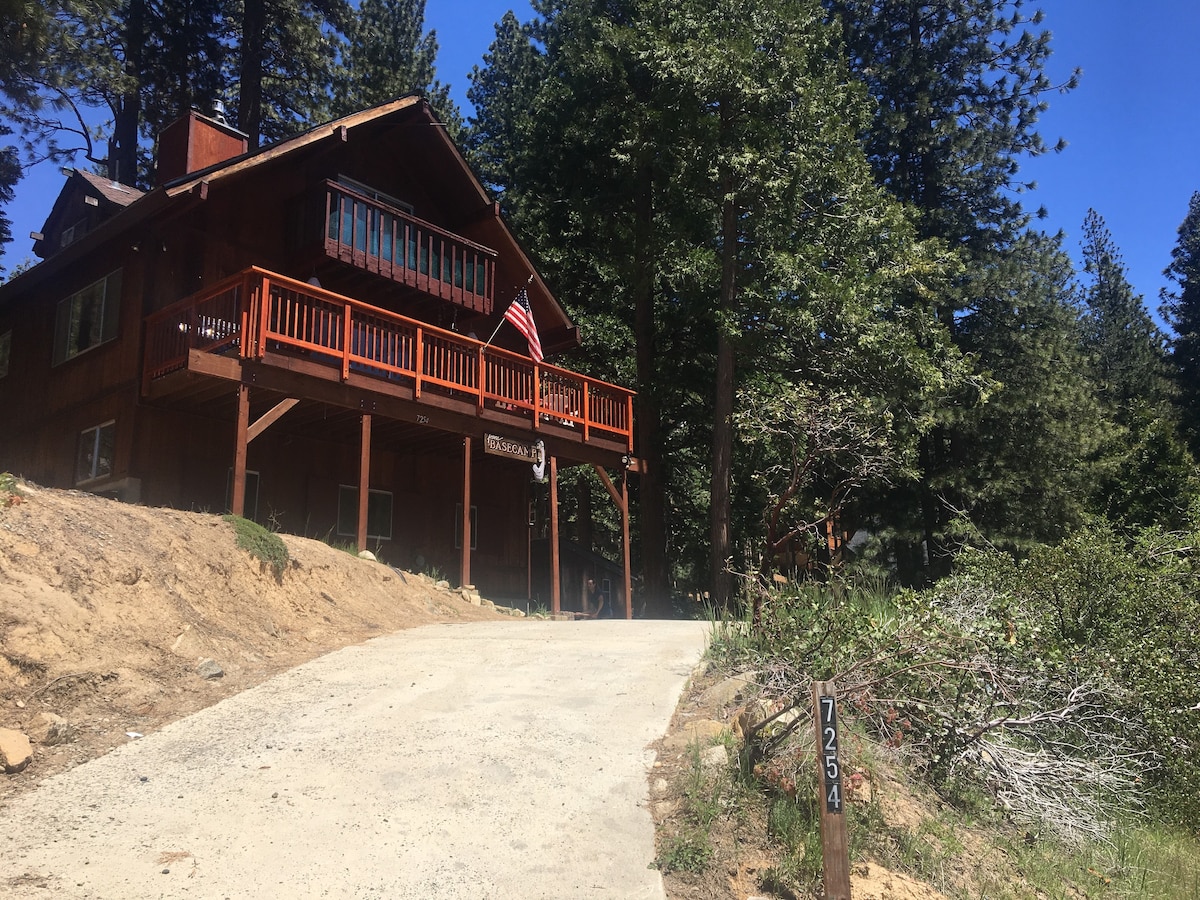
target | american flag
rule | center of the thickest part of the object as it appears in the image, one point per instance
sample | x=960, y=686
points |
x=520, y=313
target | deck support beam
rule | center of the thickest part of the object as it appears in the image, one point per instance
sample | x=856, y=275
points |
x=237, y=503
x=267, y=419
x=621, y=499
x=364, y=481
x=465, y=571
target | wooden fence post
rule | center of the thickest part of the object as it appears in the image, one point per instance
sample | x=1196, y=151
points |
x=835, y=847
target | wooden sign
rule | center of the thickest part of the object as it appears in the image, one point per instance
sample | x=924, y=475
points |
x=510, y=447
x=835, y=846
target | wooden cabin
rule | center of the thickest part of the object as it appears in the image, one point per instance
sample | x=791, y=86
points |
x=300, y=335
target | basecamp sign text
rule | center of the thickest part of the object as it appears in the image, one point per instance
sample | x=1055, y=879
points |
x=502, y=446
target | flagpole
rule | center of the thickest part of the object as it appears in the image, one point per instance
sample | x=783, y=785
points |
x=488, y=342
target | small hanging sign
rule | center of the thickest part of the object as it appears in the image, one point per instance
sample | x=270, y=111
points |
x=511, y=448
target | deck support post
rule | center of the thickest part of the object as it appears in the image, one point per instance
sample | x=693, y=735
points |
x=364, y=481
x=555, y=573
x=625, y=545
x=237, y=502
x=465, y=572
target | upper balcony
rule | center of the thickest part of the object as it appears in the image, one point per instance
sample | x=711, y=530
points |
x=370, y=234
x=262, y=317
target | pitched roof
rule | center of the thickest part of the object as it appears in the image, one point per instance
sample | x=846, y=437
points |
x=114, y=192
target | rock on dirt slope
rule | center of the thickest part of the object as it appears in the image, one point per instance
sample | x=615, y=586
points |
x=107, y=611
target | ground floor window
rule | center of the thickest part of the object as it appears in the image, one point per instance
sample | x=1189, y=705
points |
x=458, y=527
x=94, y=458
x=379, y=513
x=250, y=507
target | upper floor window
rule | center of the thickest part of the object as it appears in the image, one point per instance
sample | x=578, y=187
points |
x=87, y=318
x=72, y=233
x=5, y=352
x=95, y=457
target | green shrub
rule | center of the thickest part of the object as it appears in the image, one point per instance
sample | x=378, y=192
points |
x=263, y=545
x=10, y=495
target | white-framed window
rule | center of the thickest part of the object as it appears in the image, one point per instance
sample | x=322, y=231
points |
x=458, y=527
x=5, y=352
x=94, y=458
x=87, y=318
x=379, y=513
x=250, y=507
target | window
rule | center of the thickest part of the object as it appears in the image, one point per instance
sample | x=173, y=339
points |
x=367, y=191
x=95, y=457
x=250, y=507
x=87, y=318
x=5, y=352
x=72, y=233
x=379, y=513
x=458, y=527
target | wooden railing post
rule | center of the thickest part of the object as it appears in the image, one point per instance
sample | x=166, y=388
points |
x=629, y=422
x=537, y=397
x=247, y=304
x=264, y=299
x=587, y=413
x=481, y=374
x=347, y=326
x=419, y=354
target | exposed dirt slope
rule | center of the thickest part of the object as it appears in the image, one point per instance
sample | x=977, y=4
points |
x=106, y=609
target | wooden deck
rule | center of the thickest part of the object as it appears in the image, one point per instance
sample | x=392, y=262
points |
x=269, y=319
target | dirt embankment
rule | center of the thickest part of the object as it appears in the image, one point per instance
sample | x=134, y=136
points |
x=107, y=609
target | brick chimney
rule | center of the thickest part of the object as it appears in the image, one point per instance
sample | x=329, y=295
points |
x=195, y=142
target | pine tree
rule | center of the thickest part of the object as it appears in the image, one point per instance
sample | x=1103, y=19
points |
x=389, y=55
x=286, y=62
x=692, y=172
x=1181, y=309
x=958, y=87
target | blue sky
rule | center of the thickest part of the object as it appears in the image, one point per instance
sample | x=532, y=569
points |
x=1132, y=126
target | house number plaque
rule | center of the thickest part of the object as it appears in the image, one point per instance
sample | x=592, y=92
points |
x=835, y=845
x=829, y=753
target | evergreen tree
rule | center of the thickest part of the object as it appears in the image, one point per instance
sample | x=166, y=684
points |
x=502, y=92
x=1128, y=349
x=287, y=59
x=1143, y=474
x=1181, y=309
x=389, y=56
x=958, y=87
x=692, y=171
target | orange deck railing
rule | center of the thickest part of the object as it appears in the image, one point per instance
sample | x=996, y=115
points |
x=232, y=317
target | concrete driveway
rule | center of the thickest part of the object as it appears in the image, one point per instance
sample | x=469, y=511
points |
x=490, y=760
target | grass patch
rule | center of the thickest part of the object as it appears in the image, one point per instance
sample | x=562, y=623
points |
x=265, y=546
x=687, y=852
x=10, y=494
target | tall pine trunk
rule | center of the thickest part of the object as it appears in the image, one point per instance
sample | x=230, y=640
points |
x=122, y=149
x=720, y=505
x=652, y=488
x=254, y=20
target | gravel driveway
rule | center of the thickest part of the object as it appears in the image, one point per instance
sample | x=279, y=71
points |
x=489, y=760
